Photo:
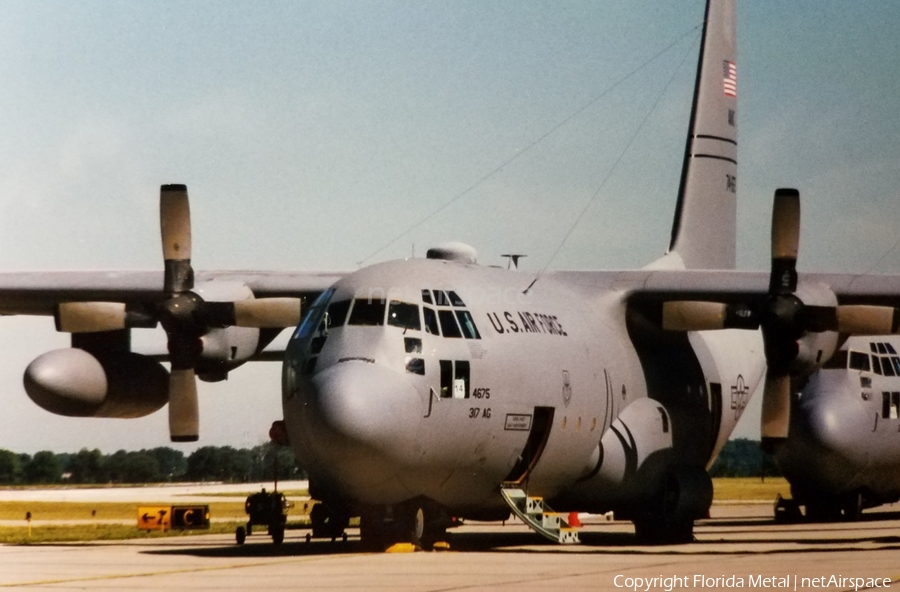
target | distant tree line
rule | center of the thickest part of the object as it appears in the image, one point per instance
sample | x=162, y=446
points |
x=739, y=458
x=163, y=464
x=744, y=458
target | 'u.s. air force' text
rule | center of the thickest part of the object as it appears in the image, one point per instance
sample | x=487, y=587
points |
x=526, y=322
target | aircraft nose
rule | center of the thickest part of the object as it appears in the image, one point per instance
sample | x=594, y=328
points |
x=361, y=425
x=827, y=444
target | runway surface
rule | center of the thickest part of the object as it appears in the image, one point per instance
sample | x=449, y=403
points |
x=739, y=542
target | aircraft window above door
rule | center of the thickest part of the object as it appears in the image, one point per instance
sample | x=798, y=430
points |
x=413, y=345
x=367, y=311
x=431, y=322
x=446, y=379
x=895, y=405
x=467, y=323
x=448, y=324
x=401, y=314
x=859, y=361
x=461, y=380
x=455, y=300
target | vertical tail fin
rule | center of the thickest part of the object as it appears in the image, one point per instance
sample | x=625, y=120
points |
x=704, y=231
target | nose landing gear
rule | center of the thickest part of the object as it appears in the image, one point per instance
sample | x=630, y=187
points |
x=419, y=523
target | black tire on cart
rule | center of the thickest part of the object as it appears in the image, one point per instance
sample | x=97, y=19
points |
x=278, y=534
x=240, y=535
x=249, y=528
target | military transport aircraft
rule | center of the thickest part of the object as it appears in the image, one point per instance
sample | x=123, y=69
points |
x=843, y=453
x=420, y=390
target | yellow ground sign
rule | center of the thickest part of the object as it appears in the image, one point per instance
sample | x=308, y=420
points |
x=154, y=517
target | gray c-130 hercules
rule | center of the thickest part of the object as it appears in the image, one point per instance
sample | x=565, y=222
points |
x=420, y=390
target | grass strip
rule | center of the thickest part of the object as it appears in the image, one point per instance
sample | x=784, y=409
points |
x=101, y=510
x=18, y=535
x=745, y=489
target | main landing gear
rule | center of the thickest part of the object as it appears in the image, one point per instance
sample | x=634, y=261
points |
x=686, y=495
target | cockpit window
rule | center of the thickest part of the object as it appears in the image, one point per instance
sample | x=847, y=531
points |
x=838, y=361
x=880, y=347
x=431, y=322
x=876, y=365
x=337, y=314
x=455, y=300
x=426, y=297
x=367, y=311
x=859, y=361
x=440, y=298
x=890, y=348
x=401, y=314
x=314, y=315
x=448, y=324
x=467, y=324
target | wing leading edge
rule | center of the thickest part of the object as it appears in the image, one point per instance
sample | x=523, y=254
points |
x=39, y=293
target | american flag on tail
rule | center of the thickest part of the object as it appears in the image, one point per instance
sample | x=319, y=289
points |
x=730, y=80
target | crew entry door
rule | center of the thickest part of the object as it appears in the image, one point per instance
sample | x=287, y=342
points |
x=541, y=422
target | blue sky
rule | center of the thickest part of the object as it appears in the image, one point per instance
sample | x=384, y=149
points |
x=311, y=133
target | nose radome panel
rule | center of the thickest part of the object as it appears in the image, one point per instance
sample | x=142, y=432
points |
x=365, y=408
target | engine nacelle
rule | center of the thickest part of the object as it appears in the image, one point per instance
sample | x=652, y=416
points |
x=225, y=348
x=815, y=348
x=75, y=383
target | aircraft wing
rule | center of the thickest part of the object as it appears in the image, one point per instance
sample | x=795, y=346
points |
x=730, y=285
x=38, y=293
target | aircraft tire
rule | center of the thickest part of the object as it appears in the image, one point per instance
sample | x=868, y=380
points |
x=423, y=524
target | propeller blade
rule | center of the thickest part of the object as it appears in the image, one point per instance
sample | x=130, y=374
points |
x=867, y=320
x=785, y=241
x=184, y=411
x=776, y=409
x=175, y=228
x=267, y=313
x=687, y=315
x=90, y=317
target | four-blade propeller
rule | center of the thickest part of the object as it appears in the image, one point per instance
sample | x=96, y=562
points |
x=783, y=317
x=183, y=314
